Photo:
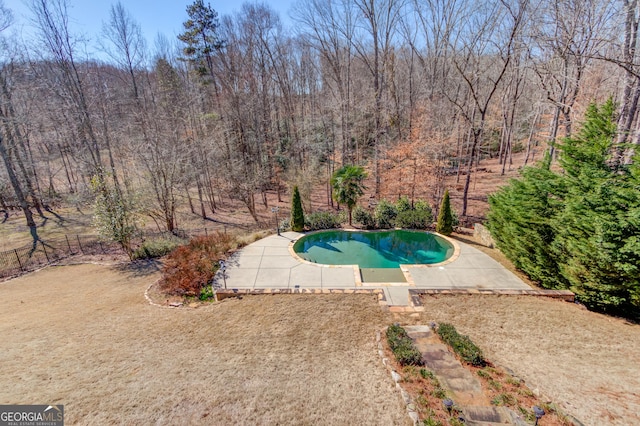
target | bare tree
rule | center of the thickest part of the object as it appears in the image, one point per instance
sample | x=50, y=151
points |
x=485, y=48
x=127, y=43
x=381, y=18
x=330, y=29
x=9, y=131
x=52, y=21
x=567, y=35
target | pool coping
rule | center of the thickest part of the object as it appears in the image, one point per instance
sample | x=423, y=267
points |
x=403, y=267
x=270, y=265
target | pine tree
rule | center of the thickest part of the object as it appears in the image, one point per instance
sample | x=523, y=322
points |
x=201, y=36
x=579, y=229
x=597, y=232
x=297, y=214
x=519, y=221
x=445, y=217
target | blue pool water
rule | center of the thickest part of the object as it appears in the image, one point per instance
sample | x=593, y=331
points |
x=385, y=249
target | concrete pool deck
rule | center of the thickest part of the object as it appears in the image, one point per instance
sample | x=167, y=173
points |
x=269, y=264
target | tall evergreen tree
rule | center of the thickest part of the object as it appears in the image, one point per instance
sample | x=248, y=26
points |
x=297, y=214
x=598, y=230
x=445, y=217
x=519, y=222
x=579, y=229
x=201, y=36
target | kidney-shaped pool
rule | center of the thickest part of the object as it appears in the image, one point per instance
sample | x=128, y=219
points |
x=379, y=249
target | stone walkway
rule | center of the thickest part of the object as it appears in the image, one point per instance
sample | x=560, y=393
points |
x=270, y=264
x=464, y=388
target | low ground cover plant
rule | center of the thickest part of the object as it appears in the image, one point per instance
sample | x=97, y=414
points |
x=461, y=344
x=402, y=346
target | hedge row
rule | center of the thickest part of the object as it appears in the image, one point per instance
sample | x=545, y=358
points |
x=461, y=345
x=402, y=346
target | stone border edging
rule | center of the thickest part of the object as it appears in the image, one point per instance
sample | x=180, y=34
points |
x=566, y=295
x=150, y=301
x=221, y=294
x=404, y=268
x=406, y=398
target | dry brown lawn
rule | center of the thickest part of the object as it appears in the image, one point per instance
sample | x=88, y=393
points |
x=85, y=336
x=586, y=362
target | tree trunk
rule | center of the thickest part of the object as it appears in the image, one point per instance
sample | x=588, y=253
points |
x=16, y=186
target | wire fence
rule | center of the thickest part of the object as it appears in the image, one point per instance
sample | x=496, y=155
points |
x=46, y=251
x=43, y=252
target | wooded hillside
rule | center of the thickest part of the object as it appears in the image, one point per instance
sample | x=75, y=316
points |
x=413, y=91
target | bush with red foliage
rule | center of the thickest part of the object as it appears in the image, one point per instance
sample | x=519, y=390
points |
x=189, y=268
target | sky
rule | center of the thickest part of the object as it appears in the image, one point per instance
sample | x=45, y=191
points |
x=154, y=16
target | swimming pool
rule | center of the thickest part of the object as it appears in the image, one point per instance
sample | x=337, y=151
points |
x=383, y=249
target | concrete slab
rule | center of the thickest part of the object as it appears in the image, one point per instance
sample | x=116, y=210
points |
x=277, y=251
x=239, y=278
x=338, y=277
x=278, y=262
x=267, y=263
x=479, y=278
x=397, y=296
x=281, y=240
x=436, y=277
x=253, y=250
x=306, y=276
x=245, y=261
x=272, y=278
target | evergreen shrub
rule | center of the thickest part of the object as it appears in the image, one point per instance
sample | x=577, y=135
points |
x=385, y=214
x=461, y=344
x=402, y=346
x=297, y=214
x=445, y=216
x=323, y=220
x=364, y=218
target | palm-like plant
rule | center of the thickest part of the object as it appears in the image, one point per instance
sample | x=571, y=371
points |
x=347, y=184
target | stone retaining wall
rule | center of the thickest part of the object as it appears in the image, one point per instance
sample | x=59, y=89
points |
x=565, y=295
x=482, y=234
x=222, y=294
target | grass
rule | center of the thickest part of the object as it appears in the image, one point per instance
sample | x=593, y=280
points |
x=14, y=233
x=579, y=359
x=89, y=340
x=504, y=399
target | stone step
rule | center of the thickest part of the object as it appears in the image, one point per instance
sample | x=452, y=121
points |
x=491, y=416
x=465, y=388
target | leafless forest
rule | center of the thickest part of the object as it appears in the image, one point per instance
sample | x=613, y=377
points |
x=236, y=106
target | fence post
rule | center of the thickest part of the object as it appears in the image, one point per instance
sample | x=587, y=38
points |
x=68, y=245
x=45, y=251
x=18, y=257
x=79, y=243
x=205, y=232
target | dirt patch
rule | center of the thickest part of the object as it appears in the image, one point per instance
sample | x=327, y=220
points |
x=86, y=337
x=583, y=361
